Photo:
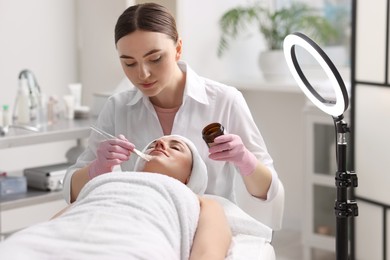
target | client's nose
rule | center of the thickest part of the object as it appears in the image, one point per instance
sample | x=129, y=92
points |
x=160, y=144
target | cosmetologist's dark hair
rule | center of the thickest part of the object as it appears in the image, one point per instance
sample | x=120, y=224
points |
x=146, y=17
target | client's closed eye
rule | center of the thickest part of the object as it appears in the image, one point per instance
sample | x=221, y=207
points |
x=176, y=147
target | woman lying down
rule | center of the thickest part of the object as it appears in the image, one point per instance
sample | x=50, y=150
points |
x=135, y=215
x=144, y=215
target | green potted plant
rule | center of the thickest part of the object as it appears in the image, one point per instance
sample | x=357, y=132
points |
x=274, y=26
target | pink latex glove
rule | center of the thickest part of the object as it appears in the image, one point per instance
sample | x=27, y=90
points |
x=110, y=153
x=229, y=147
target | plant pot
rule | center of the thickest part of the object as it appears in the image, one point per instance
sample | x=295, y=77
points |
x=273, y=66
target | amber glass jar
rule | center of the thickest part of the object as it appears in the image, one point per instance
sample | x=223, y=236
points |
x=211, y=131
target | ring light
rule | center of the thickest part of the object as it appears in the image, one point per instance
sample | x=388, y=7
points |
x=331, y=107
x=344, y=208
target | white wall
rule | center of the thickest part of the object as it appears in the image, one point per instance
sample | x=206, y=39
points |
x=100, y=69
x=36, y=35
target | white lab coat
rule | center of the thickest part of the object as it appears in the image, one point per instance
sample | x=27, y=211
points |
x=205, y=101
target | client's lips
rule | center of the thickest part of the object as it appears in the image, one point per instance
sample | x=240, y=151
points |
x=159, y=151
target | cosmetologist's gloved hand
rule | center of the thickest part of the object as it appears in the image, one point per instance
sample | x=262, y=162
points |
x=110, y=153
x=229, y=147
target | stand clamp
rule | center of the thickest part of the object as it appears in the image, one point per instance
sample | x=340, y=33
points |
x=349, y=208
x=346, y=179
x=346, y=209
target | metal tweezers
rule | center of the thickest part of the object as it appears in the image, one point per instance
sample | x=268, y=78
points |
x=108, y=136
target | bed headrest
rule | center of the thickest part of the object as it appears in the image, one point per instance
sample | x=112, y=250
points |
x=198, y=178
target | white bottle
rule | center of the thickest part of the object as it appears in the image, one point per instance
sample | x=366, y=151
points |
x=22, y=105
x=51, y=110
x=6, y=116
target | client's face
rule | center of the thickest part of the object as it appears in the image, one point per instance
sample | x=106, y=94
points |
x=171, y=157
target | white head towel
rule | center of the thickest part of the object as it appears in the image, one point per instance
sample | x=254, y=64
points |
x=198, y=178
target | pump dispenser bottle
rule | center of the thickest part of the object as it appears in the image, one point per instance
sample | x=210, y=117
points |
x=28, y=104
x=21, y=114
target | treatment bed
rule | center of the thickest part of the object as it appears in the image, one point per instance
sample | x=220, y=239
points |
x=108, y=234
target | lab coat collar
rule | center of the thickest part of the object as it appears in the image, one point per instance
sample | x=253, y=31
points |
x=194, y=88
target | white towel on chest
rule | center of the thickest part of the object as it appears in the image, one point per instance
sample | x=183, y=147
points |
x=122, y=215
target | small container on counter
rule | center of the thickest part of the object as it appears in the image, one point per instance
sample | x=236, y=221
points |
x=12, y=185
x=52, y=110
x=5, y=118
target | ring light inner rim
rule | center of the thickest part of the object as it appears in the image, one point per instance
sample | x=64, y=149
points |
x=334, y=108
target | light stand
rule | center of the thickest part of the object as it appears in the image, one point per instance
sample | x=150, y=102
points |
x=344, y=208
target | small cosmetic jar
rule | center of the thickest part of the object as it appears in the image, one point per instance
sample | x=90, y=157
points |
x=211, y=131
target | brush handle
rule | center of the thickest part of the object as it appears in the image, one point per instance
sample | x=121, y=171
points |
x=110, y=136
